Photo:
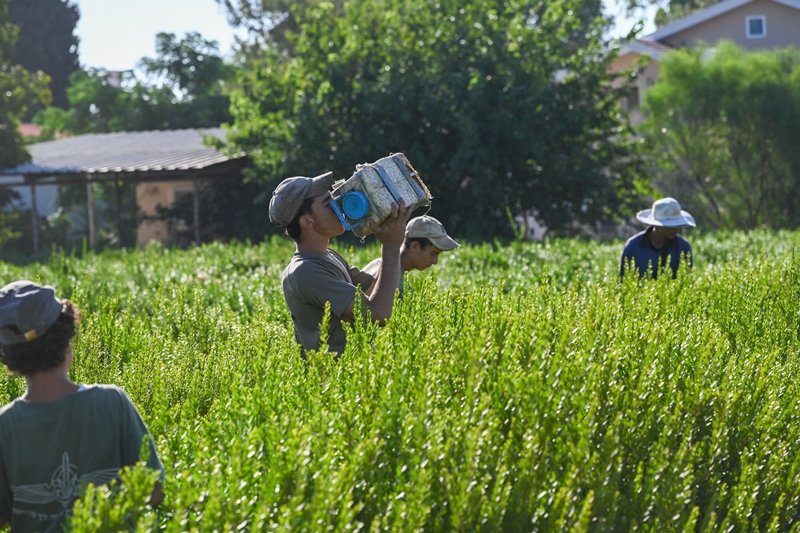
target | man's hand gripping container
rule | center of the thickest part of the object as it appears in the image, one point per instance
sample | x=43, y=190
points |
x=370, y=192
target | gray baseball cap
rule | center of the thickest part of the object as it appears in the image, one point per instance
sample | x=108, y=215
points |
x=27, y=311
x=429, y=228
x=290, y=193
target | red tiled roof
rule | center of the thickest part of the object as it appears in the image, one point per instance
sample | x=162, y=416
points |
x=26, y=129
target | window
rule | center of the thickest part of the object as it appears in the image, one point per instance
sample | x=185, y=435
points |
x=179, y=196
x=631, y=100
x=756, y=27
x=182, y=203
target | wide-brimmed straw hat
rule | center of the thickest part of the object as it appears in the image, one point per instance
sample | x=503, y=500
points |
x=666, y=213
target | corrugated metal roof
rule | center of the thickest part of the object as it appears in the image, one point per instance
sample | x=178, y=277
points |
x=131, y=151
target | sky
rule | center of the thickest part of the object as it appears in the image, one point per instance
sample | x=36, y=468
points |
x=116, y=34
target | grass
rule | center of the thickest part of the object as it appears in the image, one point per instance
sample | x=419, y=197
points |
x=517, y=388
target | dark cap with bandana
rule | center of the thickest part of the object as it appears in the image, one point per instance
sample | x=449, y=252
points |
x=27, y=311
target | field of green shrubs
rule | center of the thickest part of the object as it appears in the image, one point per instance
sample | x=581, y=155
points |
x=516, y=388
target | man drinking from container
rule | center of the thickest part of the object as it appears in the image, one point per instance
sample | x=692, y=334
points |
x=316, y=275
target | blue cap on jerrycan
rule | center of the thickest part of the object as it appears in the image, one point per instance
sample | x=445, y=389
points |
x=351, y=208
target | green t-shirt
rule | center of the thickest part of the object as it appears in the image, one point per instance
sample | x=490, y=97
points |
x=309, y=281
x=48, y=451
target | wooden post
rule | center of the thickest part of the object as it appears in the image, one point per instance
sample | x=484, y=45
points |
x=196, y=210
x=34, y=215
x=90, y=212
x=118, y=204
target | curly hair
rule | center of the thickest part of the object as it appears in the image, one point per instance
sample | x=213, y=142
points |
x=46, y=352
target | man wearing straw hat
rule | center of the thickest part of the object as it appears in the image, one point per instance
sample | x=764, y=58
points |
x=659, y=245
x=425, y=239
x=317, y=276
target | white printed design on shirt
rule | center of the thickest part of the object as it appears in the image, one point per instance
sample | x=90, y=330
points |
x=64, y=484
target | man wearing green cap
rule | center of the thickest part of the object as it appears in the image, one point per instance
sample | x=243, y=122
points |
x=317, y=276
x=425, y=239
x=60, y=435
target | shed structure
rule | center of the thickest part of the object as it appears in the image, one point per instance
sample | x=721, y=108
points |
x=162, y=164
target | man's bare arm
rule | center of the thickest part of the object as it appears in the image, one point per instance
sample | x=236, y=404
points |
x=380, y=298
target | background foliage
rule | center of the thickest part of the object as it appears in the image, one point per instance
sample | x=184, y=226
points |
x=20, y=90
x=498, y=104
x=182, y=87
x=46, y=41
x=515, y=388
x=722, y=125
x=504, y=107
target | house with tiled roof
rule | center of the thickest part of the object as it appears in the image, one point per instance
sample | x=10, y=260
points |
x=751, y=24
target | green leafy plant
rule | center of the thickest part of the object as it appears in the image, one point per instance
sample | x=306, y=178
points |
x=515, y=388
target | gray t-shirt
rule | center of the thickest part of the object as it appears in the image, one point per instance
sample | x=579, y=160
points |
x=309, y=281
x=48, y=451
x=373, y=267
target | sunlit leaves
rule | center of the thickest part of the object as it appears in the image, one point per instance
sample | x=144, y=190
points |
x=722, y=128
x=470, y=91
x=515, y=388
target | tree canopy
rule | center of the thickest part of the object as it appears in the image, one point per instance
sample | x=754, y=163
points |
x=722, y=128
x=182, y=87
x=19, y=90
x=267, y=22
x=677, y=9
x=498, y=104
x=47, y=41
x=190, y=66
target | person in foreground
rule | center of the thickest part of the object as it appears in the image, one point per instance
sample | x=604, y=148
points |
x=59, y=436
x=425, y=239
x=317, y=275
x=660, y=245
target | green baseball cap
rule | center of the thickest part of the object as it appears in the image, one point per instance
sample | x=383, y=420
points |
x=27, y=311
x=290, y=194
x=429, y=228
